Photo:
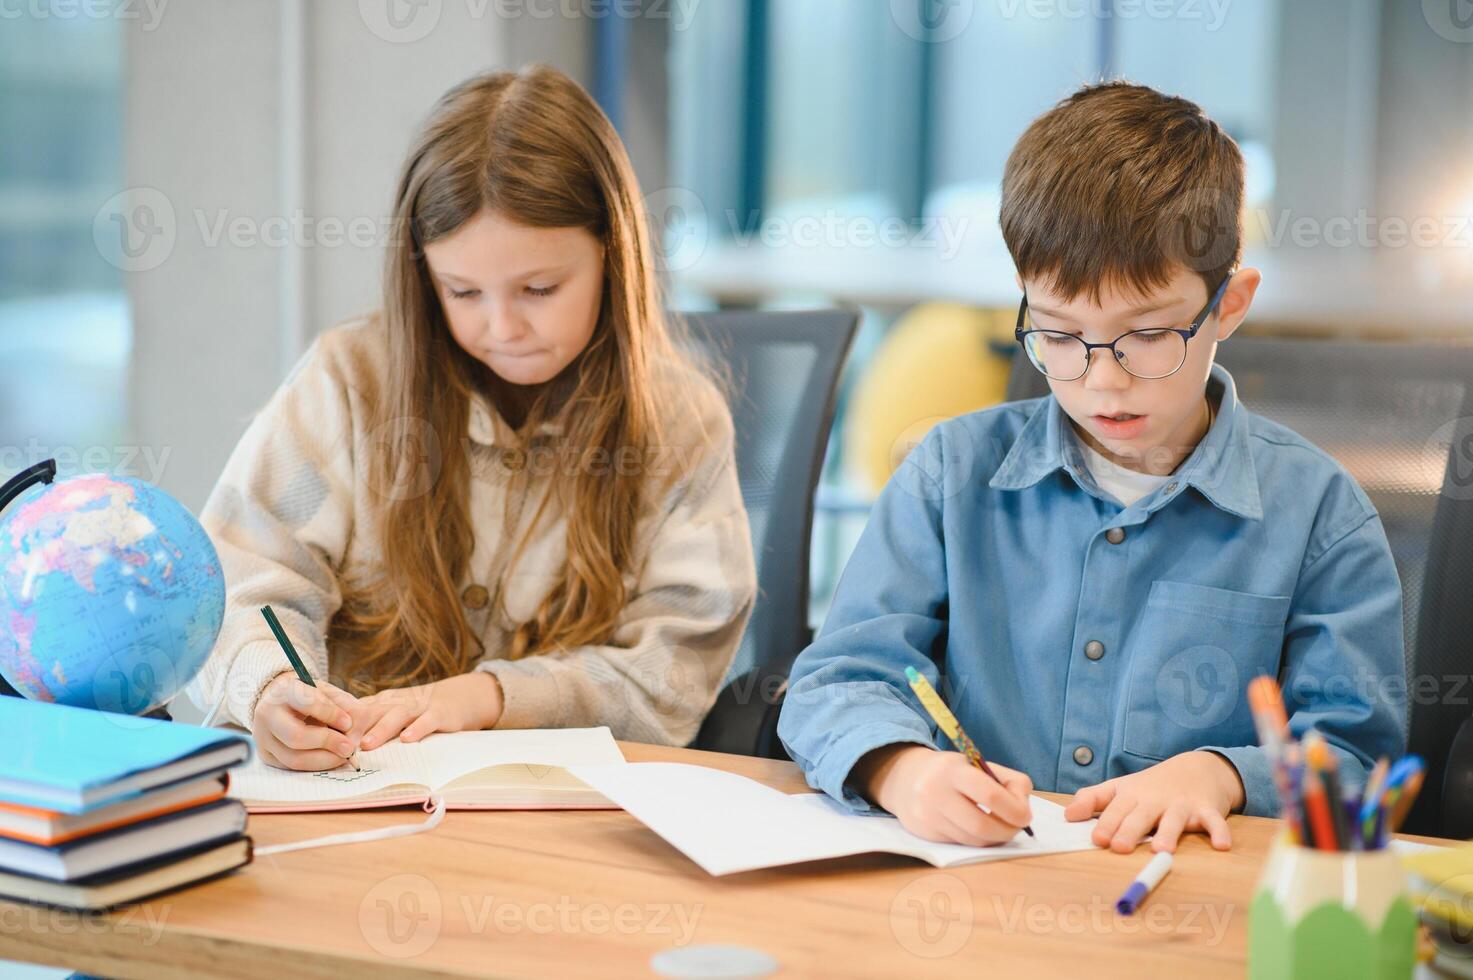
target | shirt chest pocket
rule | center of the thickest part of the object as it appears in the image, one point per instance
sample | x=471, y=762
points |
x=1193, y=652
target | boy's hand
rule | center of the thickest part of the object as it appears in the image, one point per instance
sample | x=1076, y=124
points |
x=1193, y=791
x=297, y=726
x=466, y=702
x=937, y=794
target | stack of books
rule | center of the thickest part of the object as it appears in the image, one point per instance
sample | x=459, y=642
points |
x=98, y=809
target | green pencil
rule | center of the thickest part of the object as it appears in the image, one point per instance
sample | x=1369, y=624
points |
x=296, y=661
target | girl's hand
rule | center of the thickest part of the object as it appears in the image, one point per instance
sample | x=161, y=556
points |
x=939, y=795
x=468, y=702
x=297, y=726
x=1193, y=791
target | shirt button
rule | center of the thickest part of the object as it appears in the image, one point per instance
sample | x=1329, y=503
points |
x=1083, y=756
x=1115, y=535
x=1094, y=649
x=475, y=597
x=1170, y=487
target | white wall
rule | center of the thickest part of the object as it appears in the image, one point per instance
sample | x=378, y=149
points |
x=256, y=110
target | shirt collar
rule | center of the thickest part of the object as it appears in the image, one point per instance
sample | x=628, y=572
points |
x=487, y=427
x=1220, y=468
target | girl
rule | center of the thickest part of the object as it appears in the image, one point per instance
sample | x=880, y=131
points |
x=506, y=500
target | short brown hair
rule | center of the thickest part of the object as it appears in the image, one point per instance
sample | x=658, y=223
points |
x=1121, y=184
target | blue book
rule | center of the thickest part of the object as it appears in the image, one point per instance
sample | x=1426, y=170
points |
x=72, y=760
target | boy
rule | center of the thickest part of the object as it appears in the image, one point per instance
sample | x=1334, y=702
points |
x=1098, y=574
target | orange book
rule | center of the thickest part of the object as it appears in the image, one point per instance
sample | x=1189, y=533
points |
x=50, y=827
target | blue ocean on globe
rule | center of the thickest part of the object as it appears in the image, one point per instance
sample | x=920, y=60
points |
x=111, y=594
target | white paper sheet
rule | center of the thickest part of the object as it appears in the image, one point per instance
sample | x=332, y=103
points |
x=727, y=823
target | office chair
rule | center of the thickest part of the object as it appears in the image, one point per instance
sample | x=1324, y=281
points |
x=1399, y=417
x=783, y=370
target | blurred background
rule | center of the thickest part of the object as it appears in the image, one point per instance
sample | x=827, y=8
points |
x=190, y=191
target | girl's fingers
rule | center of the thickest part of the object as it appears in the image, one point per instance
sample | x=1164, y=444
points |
x=1217, y=829
x=425, y=724
x=357, y=711
x=1089, y=801
x=293, y=733
x=311, y=702
x=1134, y=828
x=1168, y=831
x=1118, y=809
x=389, y=725
x=315, y=760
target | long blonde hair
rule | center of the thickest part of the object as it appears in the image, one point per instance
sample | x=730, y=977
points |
x=533, y=147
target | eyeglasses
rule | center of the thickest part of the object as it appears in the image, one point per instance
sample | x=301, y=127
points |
x=1150, y=354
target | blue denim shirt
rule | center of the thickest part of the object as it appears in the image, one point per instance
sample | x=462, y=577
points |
x=1078, y=640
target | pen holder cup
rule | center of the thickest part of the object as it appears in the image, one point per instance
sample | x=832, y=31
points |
x=1338, y=915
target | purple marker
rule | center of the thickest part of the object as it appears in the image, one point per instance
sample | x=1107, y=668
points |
x=1147, y=880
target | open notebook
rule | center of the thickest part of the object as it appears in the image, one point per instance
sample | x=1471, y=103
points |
x=727, y=823
x=486, y=770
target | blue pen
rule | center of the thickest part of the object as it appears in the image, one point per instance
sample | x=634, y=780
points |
x=1144, y=883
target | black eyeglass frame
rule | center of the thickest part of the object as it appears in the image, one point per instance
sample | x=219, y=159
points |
x=1186, y=333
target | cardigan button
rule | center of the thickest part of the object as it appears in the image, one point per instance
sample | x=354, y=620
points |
x=476, y=597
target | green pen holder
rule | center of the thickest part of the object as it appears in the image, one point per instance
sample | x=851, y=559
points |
x=1337, y=915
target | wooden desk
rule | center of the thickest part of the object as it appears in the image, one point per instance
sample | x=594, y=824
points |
x=560, y=894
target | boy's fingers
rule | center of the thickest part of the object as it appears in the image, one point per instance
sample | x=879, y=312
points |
x=1217, y=829
x=1004, y=802
x=1133, y=829
x=1115, y=813
x=1014, y=780
x=977, y=829
x=1168, y=831
x=1089, y=801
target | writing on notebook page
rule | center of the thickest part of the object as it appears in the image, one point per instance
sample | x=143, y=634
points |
x=344, y=775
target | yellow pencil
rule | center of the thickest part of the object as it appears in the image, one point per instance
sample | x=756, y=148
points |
x=947, y=722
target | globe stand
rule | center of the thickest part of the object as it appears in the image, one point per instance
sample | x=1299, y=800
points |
x=43, y=472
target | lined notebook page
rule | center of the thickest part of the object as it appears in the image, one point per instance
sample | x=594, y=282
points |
x=392, y=765
x=419, y=768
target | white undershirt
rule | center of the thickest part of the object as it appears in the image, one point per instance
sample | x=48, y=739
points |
x=1126, y=486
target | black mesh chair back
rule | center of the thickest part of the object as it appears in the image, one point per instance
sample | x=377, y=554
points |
x=782, y=370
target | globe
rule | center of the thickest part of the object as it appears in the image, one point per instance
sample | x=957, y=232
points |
x=111, y=594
